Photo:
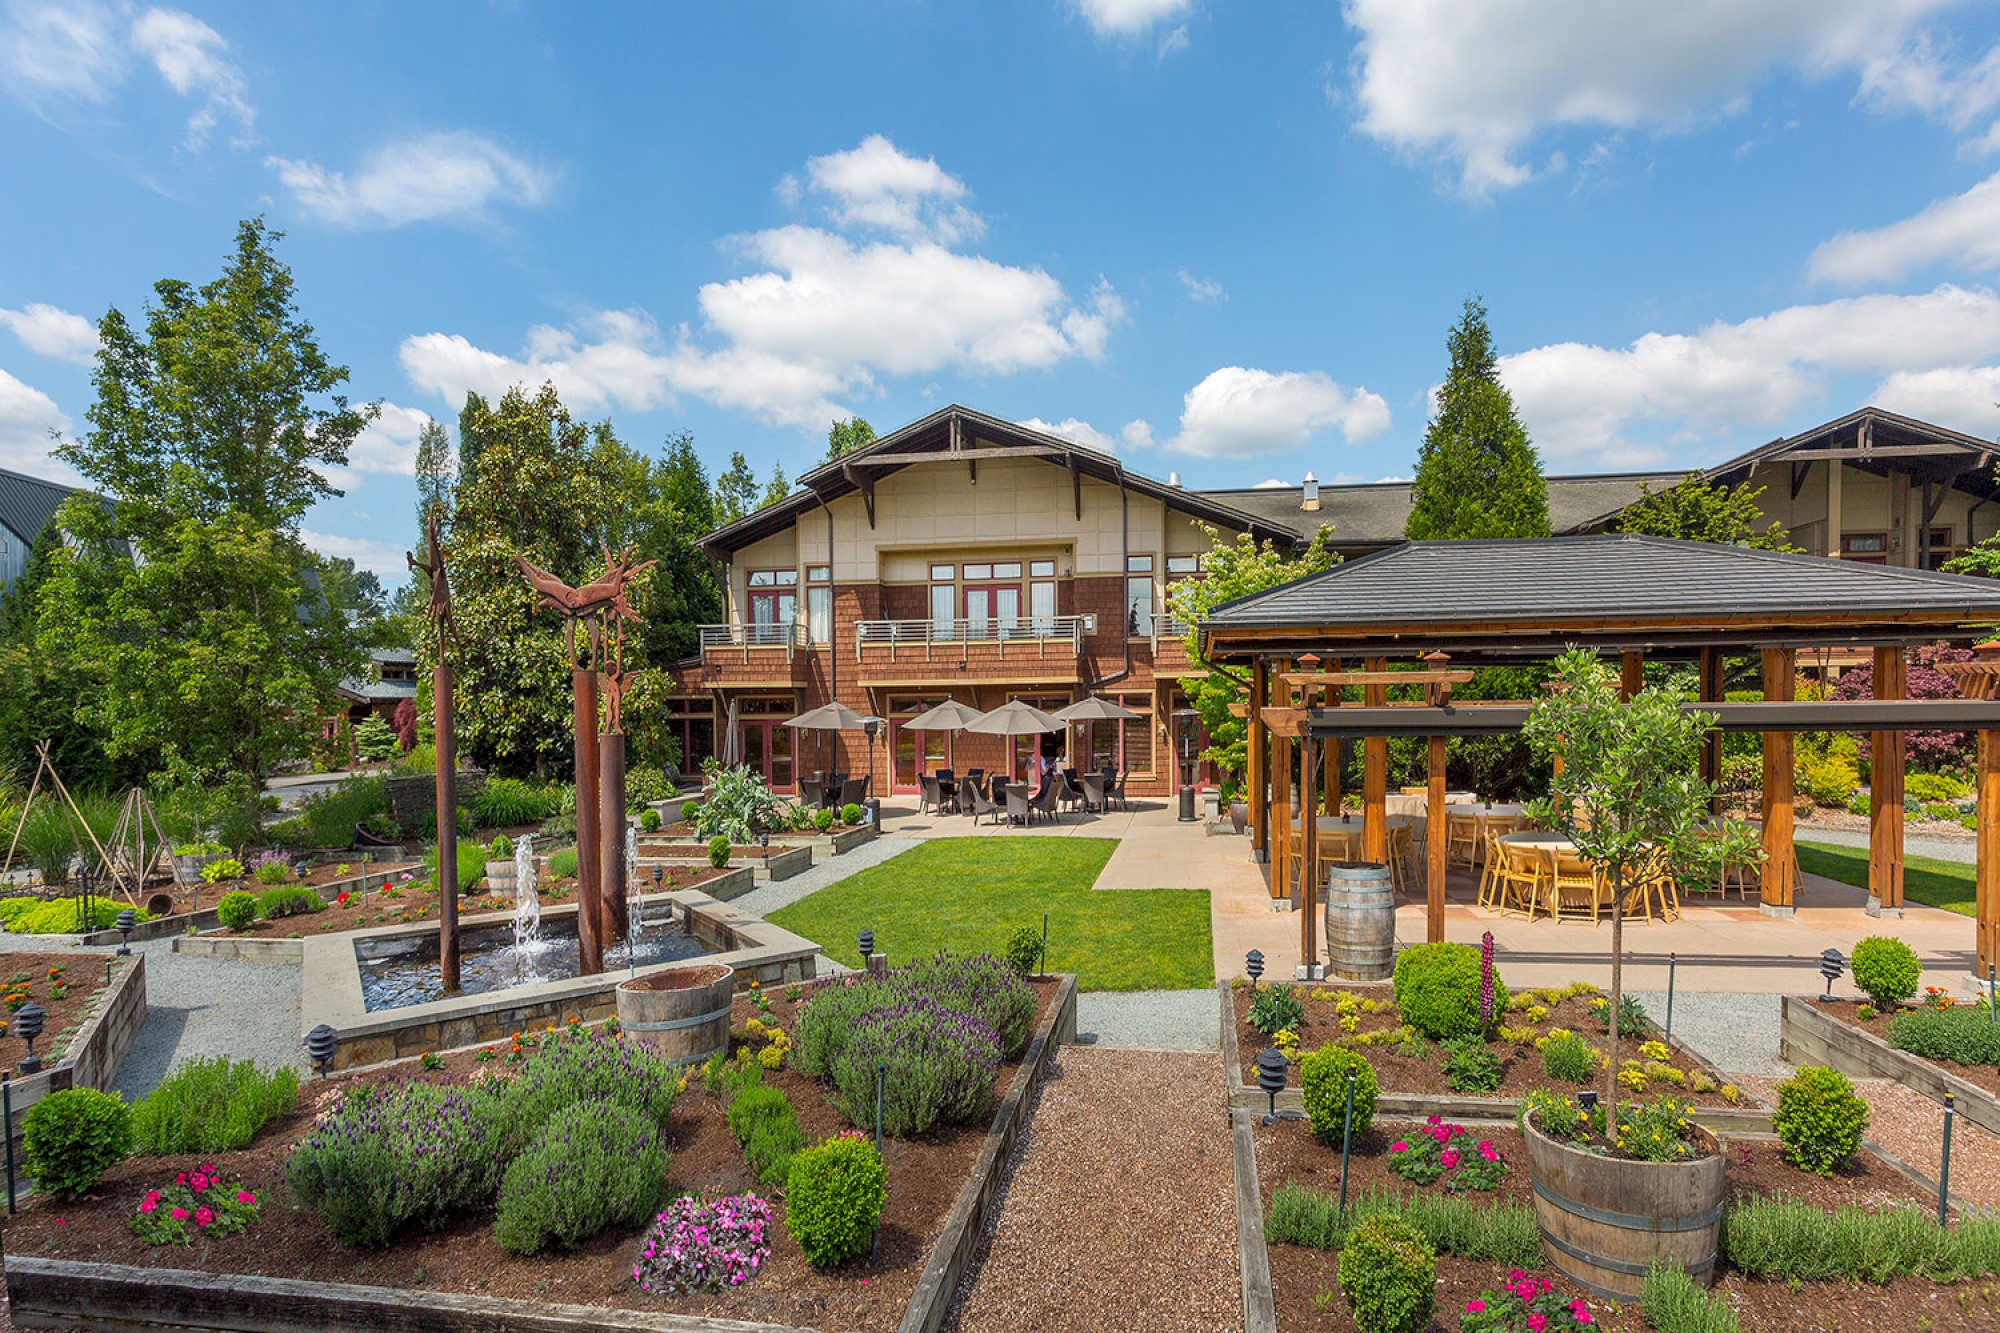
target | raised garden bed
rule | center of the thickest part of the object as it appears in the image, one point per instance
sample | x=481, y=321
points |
x=1419, y=1071
x=937, y=1185
x=775, y=862
x=329, y=881
x=80, y=979
x=1304, y=1282
x=1813, y=1031
x=88, y=1031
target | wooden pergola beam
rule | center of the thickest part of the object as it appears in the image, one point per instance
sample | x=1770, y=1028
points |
x=1340, y=679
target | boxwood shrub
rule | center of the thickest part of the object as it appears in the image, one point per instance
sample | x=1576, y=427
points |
x=1323, y=1076
x=1886, y=969
x=72, y=1137
x=236, y=910
x=1437, y=989
x=833, y=1198
x=1388, y=1273
x=1820, y=1119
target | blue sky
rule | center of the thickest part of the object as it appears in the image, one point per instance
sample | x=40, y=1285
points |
x=1220, y=239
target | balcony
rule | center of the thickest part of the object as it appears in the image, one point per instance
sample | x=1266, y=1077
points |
x=754, y=654
x=1014, y=651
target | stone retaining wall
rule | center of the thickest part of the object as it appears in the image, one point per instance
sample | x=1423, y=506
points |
x=412, y=796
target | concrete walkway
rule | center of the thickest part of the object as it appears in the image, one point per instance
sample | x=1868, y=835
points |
x=768, y=898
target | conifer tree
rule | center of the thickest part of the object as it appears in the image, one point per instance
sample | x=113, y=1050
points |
x=1477, y=473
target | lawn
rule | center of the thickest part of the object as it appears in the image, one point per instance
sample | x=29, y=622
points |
x=1946, y=884
x=970, y=894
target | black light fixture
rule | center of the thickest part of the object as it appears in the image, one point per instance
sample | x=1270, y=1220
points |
x=764, y=841
x=1253, y=963
x=27, y=1026
x=321, y=1043
x=126, y=920
x=659, y=873
x=1587, y=1100
x=1831, y=966
x=1272, y=1069
x=867, y=944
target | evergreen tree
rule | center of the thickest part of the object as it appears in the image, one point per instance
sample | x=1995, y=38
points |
x=735, y=490
x=1477, y=473
x=777, y=488
x=437, y=470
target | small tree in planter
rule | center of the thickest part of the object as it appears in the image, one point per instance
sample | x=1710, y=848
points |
x=1627, y=794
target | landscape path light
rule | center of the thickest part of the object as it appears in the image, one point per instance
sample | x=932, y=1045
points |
x=1831, y=966
x=1253, y=963
x=28, y=1026
x=126, y=920
x=1272, y=1069
x=321, y=1043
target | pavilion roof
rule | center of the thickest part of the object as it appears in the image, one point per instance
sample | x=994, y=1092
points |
x=1536, y=595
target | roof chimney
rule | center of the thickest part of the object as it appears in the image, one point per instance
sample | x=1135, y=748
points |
x=1309, y=499
x=1174, y=480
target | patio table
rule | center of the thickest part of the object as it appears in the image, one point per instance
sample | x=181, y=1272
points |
x=1407, y=803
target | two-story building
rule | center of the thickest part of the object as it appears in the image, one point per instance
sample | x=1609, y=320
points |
x=965, y=557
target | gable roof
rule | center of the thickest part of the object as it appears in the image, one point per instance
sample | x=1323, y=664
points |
x=1604, y=587
x=957, y=433
x=29, y=504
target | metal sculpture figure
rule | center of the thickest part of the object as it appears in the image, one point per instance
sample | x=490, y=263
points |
x=432, y=567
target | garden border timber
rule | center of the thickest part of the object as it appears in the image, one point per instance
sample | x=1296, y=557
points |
x=1414, y=1106
x=1807, y=1036
x=784, y=861
x=1253, y=1251
x=178, y=923
x=100, y=1045
x=66, y=1294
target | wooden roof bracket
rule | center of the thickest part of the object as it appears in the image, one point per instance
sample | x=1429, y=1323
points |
x=1799, y=473
x=866, y=484
x=1076, y=484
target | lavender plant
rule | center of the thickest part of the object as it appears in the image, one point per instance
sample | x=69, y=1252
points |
x=583, y=1065
x=824, y=1023
x=986, y=986
x=696, y=1246
x=940, y=1067
x=592, y=1167
x=408, y=1154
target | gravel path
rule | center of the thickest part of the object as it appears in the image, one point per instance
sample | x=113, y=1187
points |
x=1911, y=1126
x=768, y=898
x=1118, y=1207
x=202, y=1006
x=1150, y=1020
x=1738, y=1034
x=1943, y=849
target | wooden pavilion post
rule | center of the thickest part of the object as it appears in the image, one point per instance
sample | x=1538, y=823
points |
x=1375, y=778
x=1434, y=830
x=1308, y=847
x=1256, y=768
x=1281, y=794
x=1885, y=795
x=1709, y=672
x=1986, y=871
x=1780, y=673
x=1631, y=675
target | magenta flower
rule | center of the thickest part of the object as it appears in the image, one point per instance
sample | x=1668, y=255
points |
x=1475, y=1307
x=245, y=1196
x=179, y=1214
x=203, y=1216
x=1400, y=1145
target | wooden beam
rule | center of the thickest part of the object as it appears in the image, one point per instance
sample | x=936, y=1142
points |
x=1931, y=507
x=1288, y=722
x=1075, y=485
x=1799, y=473
x=1255, y=769
x=867, y=485
x=1281, y=817
x=1495, y=719
x=1308, y=849
x=1375, y=780
x=1885, y=796
x=1631, y=675
x=962, y=455
x=1708, y=670
x=1780, y=673
x=1986, y=872
x=1341, y=679
x=1434, y=862
x=1874, y=452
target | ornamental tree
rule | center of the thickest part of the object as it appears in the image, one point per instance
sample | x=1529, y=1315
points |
x=1627, y=794
x=1232, y=570
x=1696, y=511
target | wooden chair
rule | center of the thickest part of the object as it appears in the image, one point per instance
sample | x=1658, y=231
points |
x=1524, y=870
x=1572, y=886
x=1402, y=858
x=1461, y=840
x=1489, y=873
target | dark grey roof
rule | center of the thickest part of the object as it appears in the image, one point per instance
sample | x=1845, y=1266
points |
x=393, y=657
x=29, y=504
x=378, y=691
x=1580, y=580
x=1371, y=515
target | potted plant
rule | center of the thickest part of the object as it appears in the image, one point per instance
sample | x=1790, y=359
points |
x=500, y=868
x=1626, y=793
x=1239, y=809
x=191, y=858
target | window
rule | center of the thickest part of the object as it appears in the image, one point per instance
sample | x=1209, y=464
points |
x=1042, y=606
x=1041, y=569
x=980, y=571
x=1139, y=594
x=944, y=608
x=1008, y=570
x=945, y=572
x=774, y=578
x=1868, y=548
x=1125, y=745
x=1940, y=548
x=819, y=603
x=774, y=605
x=1183, y=565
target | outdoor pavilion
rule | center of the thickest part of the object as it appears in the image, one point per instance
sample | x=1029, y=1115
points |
x=1457, y=605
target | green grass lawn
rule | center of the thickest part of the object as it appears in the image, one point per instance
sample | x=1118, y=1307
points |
x=970, y=894
x=1946, y=884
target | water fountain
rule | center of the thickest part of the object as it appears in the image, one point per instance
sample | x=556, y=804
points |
x=528, y=939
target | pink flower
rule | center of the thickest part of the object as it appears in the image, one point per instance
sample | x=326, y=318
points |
x=1537, y=1322
x=179, y=1214
x=1449, y=1157
x=1400, y=1145
x=202, y=1217
x=197, y=1182
x=148, y=1204
x=245, y=1196
x=1582, y=1315
x=181, y=1179
x=1475, y=1307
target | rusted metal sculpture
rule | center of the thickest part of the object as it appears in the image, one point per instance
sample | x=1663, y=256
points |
x=602, y=609
x=442, y=625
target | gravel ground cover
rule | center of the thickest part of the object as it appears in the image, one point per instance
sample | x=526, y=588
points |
x=1423, y=1072
x=1307, y=1289
x=1149, y=1020
x=1097, y=1228
x=1738, y=1034
x=861, y=1296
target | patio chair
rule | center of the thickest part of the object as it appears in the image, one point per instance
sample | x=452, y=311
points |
x=1072, y=790
x=1017, y=805
x=947, y=787
x=853, y=792
x=1116, y=792
x=1402, y=858
x=1044, y=801
x=1461, y=840
x=1093, y=793
x=975, y=777
x=1523, y=872
x=1573, y=887
x=928, y=795
x=982, y=804
x=1489, y=873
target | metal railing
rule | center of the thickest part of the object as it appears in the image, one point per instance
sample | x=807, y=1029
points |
x=758, y=634
x=1063, y=632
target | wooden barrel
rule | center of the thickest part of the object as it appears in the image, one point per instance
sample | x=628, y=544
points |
x=681, y=1015
x=1360, y=921
x=1605, y=1221
x=500, y=877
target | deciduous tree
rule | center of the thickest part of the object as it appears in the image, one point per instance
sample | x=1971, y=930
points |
x=844, y=437
x=1697, y=511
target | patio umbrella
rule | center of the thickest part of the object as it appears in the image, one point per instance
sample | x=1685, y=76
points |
x=951, y=715
x=1015, y=718
x=732, y=745
x=1096, y=708
x=838, y=716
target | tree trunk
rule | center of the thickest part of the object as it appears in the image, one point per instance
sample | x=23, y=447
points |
x=1617, y=1003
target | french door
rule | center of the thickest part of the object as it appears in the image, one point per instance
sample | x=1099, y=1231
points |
x=992, y=610
x=767, y=750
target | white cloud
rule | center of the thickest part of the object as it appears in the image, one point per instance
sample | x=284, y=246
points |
x=440, y=176
x=1271, y=484
x=1926, y=76
x=27, y=415
x=47, y=330
x=1205, y=290
x=1137, y=434
x=384, y=558
x=1963, y=229
x=1475, y=81
x=1966, y=398
x=51, y=52
x=388, y=445
x=1241, y=413
x=875, y=185
x=194, y=60
x=1583, y=402
x=1176, y=40
x=1076, y=432
x=1128, y=18
x=824, y=316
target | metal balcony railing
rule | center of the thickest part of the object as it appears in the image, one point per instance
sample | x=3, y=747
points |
x=1064, y=633
x=788, y=635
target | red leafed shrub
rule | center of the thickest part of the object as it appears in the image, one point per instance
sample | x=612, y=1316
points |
x=1922, y=680
x=406, y=725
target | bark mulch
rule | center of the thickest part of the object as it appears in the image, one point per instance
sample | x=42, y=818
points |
x=925, y=1176
x=1306, y=1282
x=1520, y=1061
x=81, y=979
x=1118, y=1211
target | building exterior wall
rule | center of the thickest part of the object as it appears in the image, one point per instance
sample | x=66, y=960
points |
x=1869, y=506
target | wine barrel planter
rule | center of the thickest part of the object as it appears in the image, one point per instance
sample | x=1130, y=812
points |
x=681, y=1015
x=1360, y=921
x=1606, y=1220
x=500, y=877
